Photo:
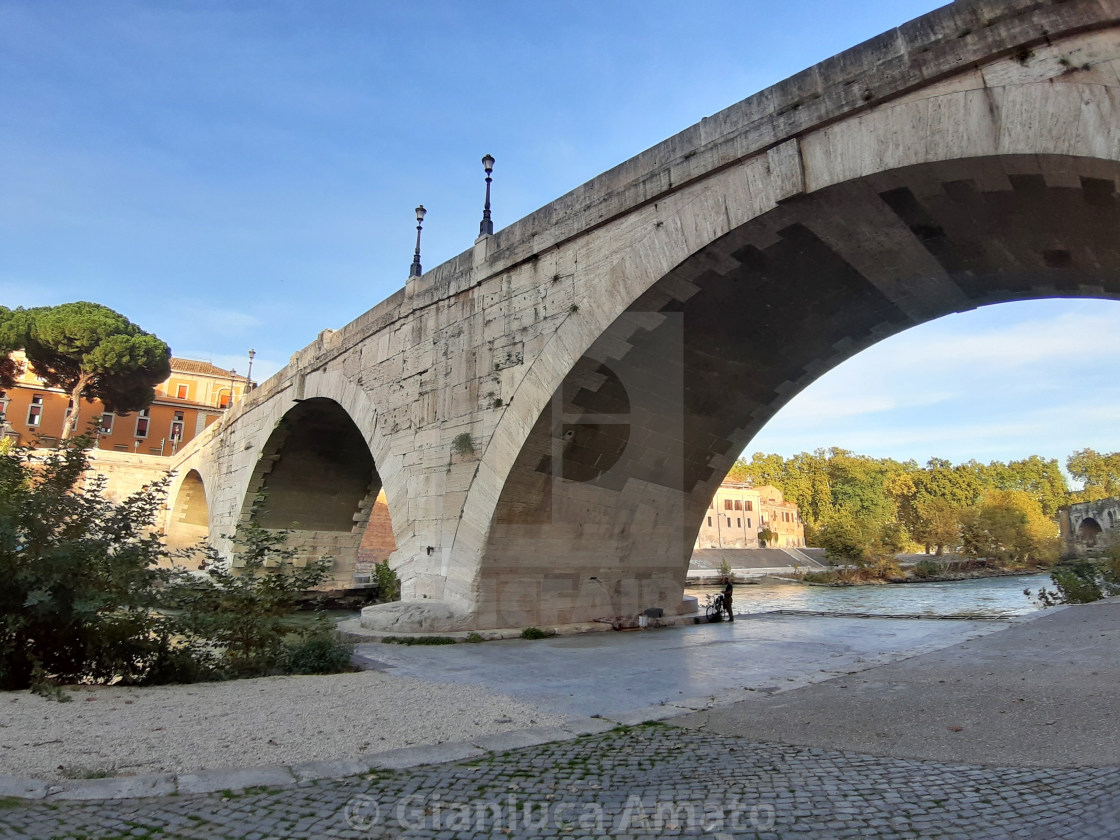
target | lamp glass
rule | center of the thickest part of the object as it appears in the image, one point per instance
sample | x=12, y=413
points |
x=488, y=162
x=420, y=213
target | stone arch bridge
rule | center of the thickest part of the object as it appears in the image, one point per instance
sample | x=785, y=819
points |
x=531, y=432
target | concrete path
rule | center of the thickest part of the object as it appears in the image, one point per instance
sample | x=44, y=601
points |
x=1045, y=693
x=620, y=675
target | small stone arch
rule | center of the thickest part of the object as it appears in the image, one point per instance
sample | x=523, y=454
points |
x=1089, y=531
x=189, y=520
x=316, y=477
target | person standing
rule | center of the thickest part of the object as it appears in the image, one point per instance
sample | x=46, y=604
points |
x=728, y=590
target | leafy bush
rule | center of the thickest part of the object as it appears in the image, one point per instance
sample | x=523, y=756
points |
x=79, y=574
x=927, y=569
x=388, y=584
x=819, y=577
x=319, y=652
x=84, y=602
x=533, y=633
x=240, y=615
x=474, y=638
x=1081, y=582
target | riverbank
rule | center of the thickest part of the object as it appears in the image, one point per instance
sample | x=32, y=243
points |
x=446, y=694
x=980, y=573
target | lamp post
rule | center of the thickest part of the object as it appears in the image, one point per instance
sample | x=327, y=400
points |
x=232, y=374
x=486, y=226
x=416, y=271
x=249, y=375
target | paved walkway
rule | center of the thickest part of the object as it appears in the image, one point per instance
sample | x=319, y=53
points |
x=712, y=776
x=648, y=781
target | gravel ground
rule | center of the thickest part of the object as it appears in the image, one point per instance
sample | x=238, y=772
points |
x=275, y=720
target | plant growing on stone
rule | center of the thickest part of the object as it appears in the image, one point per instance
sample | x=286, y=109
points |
x=388, y=584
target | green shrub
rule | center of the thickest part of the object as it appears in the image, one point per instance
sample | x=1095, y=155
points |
x=819, y=577
x=78, y=573
x=474, y=638
x=240, y=615
x=1081, y=582
x=533, y=633
x=927, y=569
x=317, y=653
x=388, y=584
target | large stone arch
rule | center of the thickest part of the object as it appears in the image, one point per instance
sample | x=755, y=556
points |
x=316, y=476
x=880, y=203
x=879, y=198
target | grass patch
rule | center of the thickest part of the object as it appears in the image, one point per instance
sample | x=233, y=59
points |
x=72, y=772
x=418, y=640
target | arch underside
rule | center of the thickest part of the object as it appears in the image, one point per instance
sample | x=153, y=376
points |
x=600, y=512
x=189, y=522
x=317, y=478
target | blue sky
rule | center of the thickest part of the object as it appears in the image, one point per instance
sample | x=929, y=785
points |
x=243, y=174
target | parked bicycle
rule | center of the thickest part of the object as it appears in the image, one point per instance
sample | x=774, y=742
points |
x=713, y=607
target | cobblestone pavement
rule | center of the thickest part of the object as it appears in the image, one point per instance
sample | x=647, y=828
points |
x=648, y=781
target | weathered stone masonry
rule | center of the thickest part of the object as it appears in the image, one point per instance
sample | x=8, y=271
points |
x=549, y=413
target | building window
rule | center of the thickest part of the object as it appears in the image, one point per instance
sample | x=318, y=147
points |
x=35, y=411
x=142, y=421
x=712, y=506
x=748, y=522
x=738, y=505
x=223, y=399
x=181, y=391
x=738, y=522
x=750, y=506
x=107, y=422
x=709, y=522
x=177, y=427
x=727, y=504
x=4, y=400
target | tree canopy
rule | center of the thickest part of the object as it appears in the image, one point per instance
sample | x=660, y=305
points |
x=90, y=351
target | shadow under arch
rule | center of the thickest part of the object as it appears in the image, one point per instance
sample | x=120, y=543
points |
x=189, y=520
x=1088, y=532
x=710, y=351
x=316, y=477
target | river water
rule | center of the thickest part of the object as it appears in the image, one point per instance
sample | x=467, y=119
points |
x=996, y=597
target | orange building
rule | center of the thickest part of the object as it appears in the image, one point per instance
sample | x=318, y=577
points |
x=194, y=396
x=739, y=512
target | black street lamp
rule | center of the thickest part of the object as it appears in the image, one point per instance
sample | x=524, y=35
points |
x=416, y=270
x=249, y=375
x=486, y=226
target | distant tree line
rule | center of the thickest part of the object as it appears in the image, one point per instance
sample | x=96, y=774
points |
x=860, y=507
